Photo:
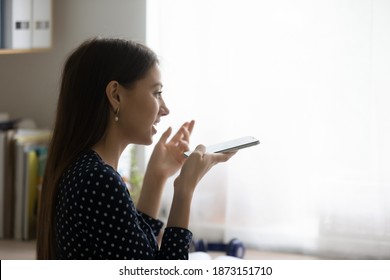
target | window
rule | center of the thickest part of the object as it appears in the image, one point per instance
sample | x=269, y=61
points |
x=310, y=80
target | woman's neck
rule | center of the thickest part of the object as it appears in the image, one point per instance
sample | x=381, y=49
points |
x=109, y=149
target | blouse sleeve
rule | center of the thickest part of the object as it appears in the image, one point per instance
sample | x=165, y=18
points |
x=156, y=225
x=175, y=243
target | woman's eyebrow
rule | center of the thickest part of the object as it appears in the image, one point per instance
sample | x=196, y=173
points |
x=158, y=84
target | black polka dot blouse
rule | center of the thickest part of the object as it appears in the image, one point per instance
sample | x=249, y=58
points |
x=96, y=218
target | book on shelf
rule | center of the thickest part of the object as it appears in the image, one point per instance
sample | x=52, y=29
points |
x=6, y=176
x=6, y=184
x=22, y=159
x=34, y=157
x=30, y=151
x=2, y=182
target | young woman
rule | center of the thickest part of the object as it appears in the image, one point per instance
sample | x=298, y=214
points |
x=111, y=96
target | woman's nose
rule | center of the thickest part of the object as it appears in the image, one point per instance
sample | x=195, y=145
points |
x=164, y=109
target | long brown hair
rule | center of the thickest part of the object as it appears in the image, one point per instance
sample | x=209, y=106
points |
x=82, y=116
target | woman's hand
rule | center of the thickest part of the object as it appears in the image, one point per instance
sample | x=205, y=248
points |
x=197, y=165
x=167, y=157
x=193, y=170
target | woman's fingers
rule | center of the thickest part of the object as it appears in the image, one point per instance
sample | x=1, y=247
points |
x=164, y=137
x=214, y=157
x=184, y=132
x=191, y=126
x=222, y=157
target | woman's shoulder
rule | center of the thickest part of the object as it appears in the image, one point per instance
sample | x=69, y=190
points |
x=90, y=167
x=89, y=160
x=89, y=178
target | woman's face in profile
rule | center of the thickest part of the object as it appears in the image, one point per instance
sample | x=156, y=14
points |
x=142, y=108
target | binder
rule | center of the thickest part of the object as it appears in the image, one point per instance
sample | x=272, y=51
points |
x=17, y=24
x=1, y=25
x=41, y=23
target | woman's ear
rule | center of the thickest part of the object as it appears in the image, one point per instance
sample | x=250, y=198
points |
x=112, y=93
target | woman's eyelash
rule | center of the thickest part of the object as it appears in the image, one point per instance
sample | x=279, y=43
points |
x=158, y=93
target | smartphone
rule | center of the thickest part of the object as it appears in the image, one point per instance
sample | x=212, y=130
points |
x=232, y=145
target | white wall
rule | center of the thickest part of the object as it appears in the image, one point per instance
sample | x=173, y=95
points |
x=29, y=82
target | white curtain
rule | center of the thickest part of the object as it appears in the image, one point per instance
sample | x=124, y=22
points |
x=311, y=80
